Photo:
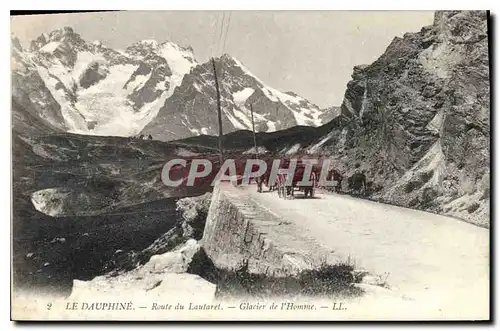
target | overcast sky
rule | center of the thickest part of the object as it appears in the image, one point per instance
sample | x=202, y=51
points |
x=311, y=53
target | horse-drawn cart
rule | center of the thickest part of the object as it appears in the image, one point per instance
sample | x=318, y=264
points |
x=287, y=188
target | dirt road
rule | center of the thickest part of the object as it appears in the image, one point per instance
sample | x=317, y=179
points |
x=431, y=259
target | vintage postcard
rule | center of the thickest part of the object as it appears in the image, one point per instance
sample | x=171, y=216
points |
x=251, y=166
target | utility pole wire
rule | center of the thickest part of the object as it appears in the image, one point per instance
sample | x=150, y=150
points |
x=219, y=44
x=227, y=30
x=219, y=114
x=213, y=36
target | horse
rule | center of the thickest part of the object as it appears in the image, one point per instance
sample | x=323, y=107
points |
x=259, y=181
x=283, y=189
x=265, y=179
x=313, y=177
x=357, y=183
x=299, y=176
x=334, y=175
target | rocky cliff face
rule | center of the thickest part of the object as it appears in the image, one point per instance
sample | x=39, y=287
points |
x=418, y=119
x=189, y=225
x=33, y=107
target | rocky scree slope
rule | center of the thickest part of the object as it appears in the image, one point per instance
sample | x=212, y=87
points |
x=189, y=226
x=80, y=200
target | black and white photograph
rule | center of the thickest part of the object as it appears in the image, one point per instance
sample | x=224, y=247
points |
x=250, y=165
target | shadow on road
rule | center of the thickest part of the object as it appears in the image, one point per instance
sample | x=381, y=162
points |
x=301, y=197
x=267, y=191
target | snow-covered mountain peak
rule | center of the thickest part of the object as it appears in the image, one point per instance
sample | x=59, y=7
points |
x=304, y=112
x=65, y=33
x=65, y=36
x=191, y=109
x=181, y=59
x=142, y=47
x=100, y=90
x=226, y=58
x=148, y=43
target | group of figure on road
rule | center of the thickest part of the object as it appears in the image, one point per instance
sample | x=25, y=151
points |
x=356, y=184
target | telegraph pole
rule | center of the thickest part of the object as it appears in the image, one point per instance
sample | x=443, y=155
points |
x=219, y=114
x=258, y=180
x=254, y=137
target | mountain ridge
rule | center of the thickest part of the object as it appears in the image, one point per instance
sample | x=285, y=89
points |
x=90, y=88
